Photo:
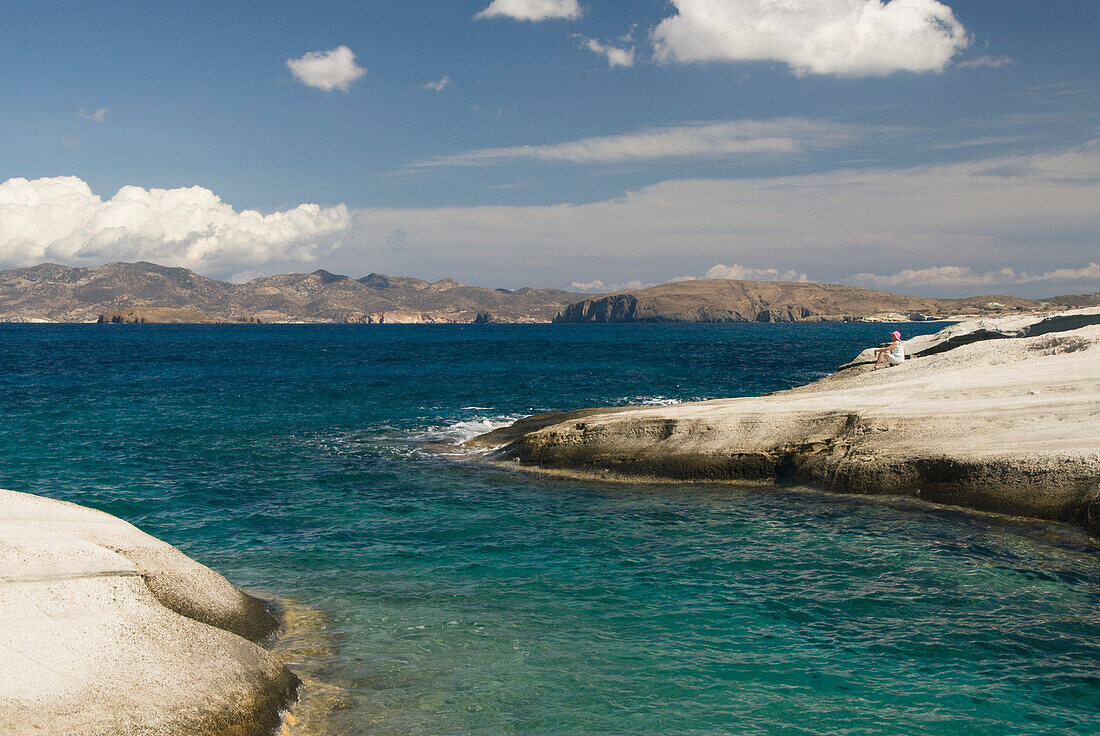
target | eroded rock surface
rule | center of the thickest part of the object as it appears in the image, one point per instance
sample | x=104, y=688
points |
x=989, y=328
x=107, y=630
x=1010, y=425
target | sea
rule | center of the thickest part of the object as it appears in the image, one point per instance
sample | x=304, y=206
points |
x=321, y=467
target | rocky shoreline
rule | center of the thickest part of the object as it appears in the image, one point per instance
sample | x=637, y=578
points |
x=997, y=415
x=109, y=631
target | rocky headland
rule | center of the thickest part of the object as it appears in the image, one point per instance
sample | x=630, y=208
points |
x=721, y=300
x=996, y=414
x=108, y=631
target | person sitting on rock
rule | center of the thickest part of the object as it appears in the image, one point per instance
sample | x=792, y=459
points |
x=891, y=353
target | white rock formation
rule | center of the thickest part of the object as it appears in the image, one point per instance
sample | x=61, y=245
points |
x=1008, y=424
x=105, y=630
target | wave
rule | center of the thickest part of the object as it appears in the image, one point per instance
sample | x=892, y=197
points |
x=459, y=431
x=646, y=401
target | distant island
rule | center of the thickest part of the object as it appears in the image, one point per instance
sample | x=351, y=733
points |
x=148, y=293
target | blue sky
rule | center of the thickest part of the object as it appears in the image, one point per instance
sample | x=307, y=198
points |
x=918, y=146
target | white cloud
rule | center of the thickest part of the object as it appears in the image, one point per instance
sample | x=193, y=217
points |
x=97, y=116
x=934, y=277
x=327, y=70
x=615, y=56
x=719, y=271
x=850, y=38
x=596, y=285
x=600, y=287
x=724, y=139
x=955, y=276
x=533, y=10
x=1032, y=213
x=995, y=62
x=439, y=86
x=60, y=219
x=743, y=273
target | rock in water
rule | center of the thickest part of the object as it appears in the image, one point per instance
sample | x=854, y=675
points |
x=998, y=416
x=107, y=631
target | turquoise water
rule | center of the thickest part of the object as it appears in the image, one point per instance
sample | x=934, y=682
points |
x=469, y=599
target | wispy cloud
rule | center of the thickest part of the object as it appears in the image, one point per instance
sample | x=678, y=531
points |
x=934, y=277
x=98, y=116
x=439, y=86
x=743, y=273
x=531, y=10
x=327, y=70
x=600, y=287
x=849, y=38
x=723, y=139
x=994, y=62
x=979, y=142
x=615, y=56
x=1032, y=213
x=956, y=276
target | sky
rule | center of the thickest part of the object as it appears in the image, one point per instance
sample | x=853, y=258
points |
x=937, y=148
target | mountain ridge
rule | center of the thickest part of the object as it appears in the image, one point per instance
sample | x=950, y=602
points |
x=143, y=291
x=148, y=292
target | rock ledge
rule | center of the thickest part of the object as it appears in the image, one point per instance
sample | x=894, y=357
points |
x=1000, y=416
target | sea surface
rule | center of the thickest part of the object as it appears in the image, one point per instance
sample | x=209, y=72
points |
x=460, y=598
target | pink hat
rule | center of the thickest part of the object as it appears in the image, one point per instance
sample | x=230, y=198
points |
x=896, y=334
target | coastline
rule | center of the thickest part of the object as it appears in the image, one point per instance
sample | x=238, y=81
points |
x=111, y=631
x=995, y=415
x=306, y=643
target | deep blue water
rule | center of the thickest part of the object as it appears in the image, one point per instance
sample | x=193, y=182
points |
x=470, y=599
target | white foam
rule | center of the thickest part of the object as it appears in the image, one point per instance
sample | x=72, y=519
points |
x=648, y=401
x=458, y=432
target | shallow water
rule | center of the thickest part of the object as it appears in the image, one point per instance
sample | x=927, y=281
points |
x=470, y=599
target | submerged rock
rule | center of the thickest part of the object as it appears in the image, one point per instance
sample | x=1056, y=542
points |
x=107, y=630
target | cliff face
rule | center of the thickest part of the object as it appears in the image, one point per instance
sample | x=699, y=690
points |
x=768, y=301
x=146, y=292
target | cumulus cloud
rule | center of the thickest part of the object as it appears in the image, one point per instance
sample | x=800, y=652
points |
x=327, y=70
x=439, y=86
x=849, y=38
x=98, y=116
x=743, y=273
x=596, y=285
x=955, y=276
x=614, y=55
x=533, y=10
x=60, y=219
x=721, y=139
